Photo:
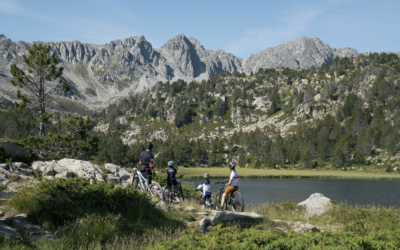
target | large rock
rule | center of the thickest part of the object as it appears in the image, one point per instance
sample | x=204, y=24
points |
x=21, y=168
x=71, y=164
x=14, y=151
x=8, y=232
x=32, y=231
x=316, y=204
x=4, y=166
x=113, y=179
x=113, y=168
x=230, y=216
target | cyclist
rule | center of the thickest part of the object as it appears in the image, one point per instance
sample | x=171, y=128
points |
x=233, y=184
x=206, y=189
x=171, y=179
x=146, y=162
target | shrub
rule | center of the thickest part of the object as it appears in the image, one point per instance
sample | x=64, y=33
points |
x=234, y=238
x=56, y=202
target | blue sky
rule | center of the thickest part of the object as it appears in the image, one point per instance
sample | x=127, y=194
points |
x=240, y=27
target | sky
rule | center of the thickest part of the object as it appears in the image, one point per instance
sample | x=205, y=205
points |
x=239, y=27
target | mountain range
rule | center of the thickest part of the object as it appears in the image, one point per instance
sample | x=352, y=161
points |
x=99, y=74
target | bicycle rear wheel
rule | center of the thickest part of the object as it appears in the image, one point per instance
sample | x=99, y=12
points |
x=237, y=203
x=218, y=200
x=155, y=190
x=167, y=194
x=181, y=194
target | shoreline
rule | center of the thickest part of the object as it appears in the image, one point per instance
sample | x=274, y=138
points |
x=219, y=173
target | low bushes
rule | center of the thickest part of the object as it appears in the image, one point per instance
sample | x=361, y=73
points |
x=82, y=214
x=234, y=238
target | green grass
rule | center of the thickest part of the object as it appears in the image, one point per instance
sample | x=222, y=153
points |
x=194, y=173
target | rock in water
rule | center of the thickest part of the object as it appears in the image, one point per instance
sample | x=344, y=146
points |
x=316, y=204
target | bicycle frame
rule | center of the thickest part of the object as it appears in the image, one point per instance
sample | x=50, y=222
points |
x=144, y=182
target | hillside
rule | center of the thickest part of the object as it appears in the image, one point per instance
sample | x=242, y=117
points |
x=103, y=74
x=341, y=116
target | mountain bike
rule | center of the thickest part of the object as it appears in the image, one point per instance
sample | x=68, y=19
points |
x=140, y=183
x=174, y=195
x=234, y=201
x=210, y=204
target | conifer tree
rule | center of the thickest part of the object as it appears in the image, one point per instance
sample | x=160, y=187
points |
x=40, y=84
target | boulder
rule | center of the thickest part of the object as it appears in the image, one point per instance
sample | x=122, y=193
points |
x=30, y=230
x=14, y=151
x=99, y=177
x=316, y=204
x=39, y=165
x=60, y=176
x=125, y=175
x=21, y=168
x=71, y=164
x=114, y=179
x=8, y=232
x=98, y=168
x=113, y=168
x=230, y=216
x=190, y=209
x=4, y=166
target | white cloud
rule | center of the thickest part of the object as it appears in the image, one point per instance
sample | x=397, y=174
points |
x=291, y=24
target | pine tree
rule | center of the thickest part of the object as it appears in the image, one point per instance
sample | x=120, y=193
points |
x=40, y=84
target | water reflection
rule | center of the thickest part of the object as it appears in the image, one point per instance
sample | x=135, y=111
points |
x=352, y=191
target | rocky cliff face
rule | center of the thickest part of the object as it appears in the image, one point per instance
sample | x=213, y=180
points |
x=100, y=73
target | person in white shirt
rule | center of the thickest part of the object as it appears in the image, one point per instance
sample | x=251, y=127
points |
x=205, y=185
x=233, y=184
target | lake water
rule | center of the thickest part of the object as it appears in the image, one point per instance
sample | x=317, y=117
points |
x=353, y=191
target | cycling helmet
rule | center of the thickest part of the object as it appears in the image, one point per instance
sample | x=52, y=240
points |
x=206, y=175
x=231, y=165
x=149, y=145
x=171, y=163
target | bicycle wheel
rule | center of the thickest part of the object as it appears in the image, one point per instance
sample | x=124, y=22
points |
x=211, y=204
x=181, y=193
x=156, y=191
x=136, y=184
x=237, y=203
x=167, y=195
x=218, y=200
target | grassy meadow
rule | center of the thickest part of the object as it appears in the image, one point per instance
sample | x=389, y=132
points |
x=194, y=173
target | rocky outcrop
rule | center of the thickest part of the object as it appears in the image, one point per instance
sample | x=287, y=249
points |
x=316, y=204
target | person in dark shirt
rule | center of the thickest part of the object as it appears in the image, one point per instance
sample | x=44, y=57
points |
x=171, y=179
x=147, y=163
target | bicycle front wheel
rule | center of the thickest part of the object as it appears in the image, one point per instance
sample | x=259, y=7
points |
x=218, y=200
x=155, y=190
x=237, y=203
x=211, y=204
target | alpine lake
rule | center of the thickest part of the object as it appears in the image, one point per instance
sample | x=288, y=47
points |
x=357, y=192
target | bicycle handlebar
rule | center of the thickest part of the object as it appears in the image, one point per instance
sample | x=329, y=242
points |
x=221, y=182
x=180, y=176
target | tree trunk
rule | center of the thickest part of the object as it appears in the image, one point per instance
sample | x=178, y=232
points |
x=42, y=132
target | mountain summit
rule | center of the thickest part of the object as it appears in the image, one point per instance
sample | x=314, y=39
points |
x=103, y=72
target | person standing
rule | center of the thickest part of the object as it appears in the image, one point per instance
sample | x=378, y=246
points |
x=146, y=161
